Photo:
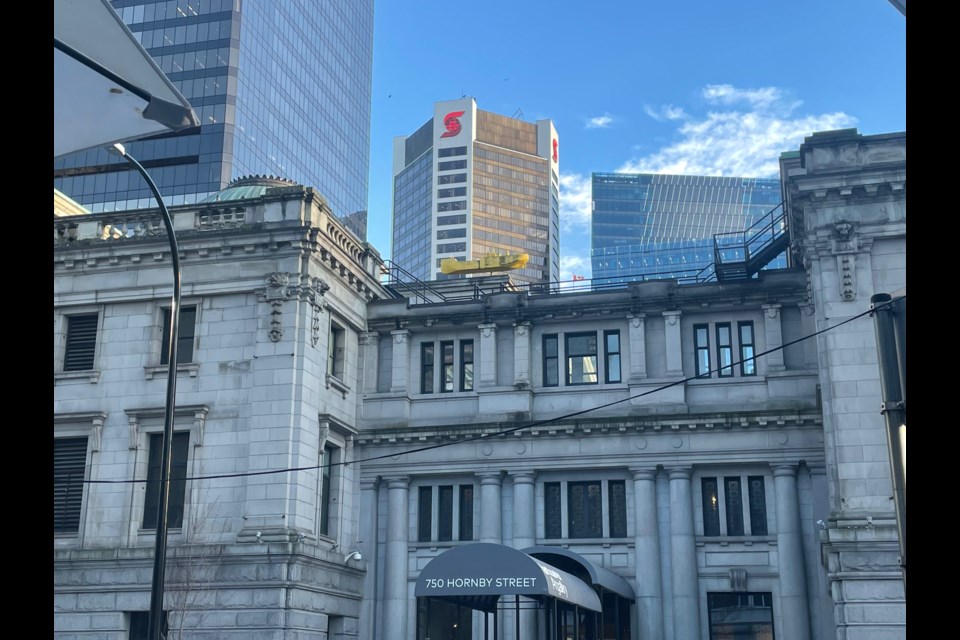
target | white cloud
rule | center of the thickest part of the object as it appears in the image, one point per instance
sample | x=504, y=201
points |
x=738, y=142
x=575, y=202
x=665, y=112
x=600, y=122
x=574, y=265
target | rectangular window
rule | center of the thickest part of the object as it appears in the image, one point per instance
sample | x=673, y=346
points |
x=466, y=512
x=724, y=350
x=618, y=508
x=456, y=205
x=701, y=345
x=443, y=221
x=425, y=514
x=335, y=351
x=452, y=178
x=81, y=342
x=551, y=510
x=326, y=494
x=456, y=192
x=740, y=615
x=551, y=373
x=178, y=483
x=584, y=510
x=466, y=365
x=452, y=151
x=581, y=353
x=611, y=347
x=69, y=467
x=734, y=504
x=748, y=366
x=446, y=371
x=758, y=506
x=451, y=165
x=186, y=330
x=140, y=625
x=451, y=247
x=426, y=367
x=445, y=513
x=445, y=234
x=711, y=507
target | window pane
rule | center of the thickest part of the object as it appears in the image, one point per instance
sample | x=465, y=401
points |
x=743, y=616
x=551, y=510
x=445, y=514
x=81, y=342
x=758, y=506
x=582, y=370
x=426, y=367
x=466, y=512
x=178, y=484
x=69, y=465
x=584, y=510
x=711, y=507
x=618, y=509
x=329, y=452
x=734, y=504
x=425, y=511
x=186, y=329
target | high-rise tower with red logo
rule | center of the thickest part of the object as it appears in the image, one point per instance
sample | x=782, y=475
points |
x=470, y=182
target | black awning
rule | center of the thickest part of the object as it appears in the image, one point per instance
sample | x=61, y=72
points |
x=578, y=565
x=480, y=573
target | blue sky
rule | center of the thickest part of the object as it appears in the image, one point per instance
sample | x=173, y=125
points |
x=677, y=86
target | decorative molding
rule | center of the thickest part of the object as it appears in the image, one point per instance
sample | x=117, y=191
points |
x=847, y=276
x=771, y=310
x=400, y=336
x=738, y=579
x=197, y=411
x=521, y=328
x=636, y=320
x=95, y=418
x=369, y=339
x=672, y=317
x=151, y=371
x=487, y=330
x=338, y=384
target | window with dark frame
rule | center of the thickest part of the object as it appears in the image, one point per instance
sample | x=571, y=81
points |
x=724, y=350
x=69, y=469
x=551, y=361
x=446, y=367
x=734, y=505
x=81, y=344
x=186, y=331
x=584, y=510
x=425, y=514
x=748, y=365
x=178, y=482
x=452, y=151
x=140, y=625
x=618, y=508
x=466, y=365
x=335, y=351
x=466, y=512
x=426, y=367
x=552, y=517
x=758, y=506
x=326, y=497
x=741, y=615
x=445, y=513
x=701, y=345
x=581, y=354
x=711, y=506
x=611, y=346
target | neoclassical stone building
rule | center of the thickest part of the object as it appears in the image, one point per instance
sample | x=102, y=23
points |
x=640, y=463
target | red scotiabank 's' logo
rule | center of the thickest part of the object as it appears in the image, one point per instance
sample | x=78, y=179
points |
x=451, y=122
x=555, y=143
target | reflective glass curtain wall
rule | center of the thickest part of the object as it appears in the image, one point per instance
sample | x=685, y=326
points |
x=279, y=88
x=663, y=225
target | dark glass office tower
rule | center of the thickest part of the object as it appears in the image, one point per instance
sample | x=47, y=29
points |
x=281, y=88
x=649, y=225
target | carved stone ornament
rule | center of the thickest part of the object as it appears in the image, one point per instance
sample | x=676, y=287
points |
x=846, y=272
x=400, y=337
x=486, y=330
x=671, y=317
x=636, y=321
x=844, y=237
x=772, y=310
x=521, y=328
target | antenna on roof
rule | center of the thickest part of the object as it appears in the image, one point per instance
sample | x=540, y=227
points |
x=517, y=114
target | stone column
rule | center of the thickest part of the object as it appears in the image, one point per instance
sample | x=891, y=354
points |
x=647, y=544
x=521, y=354
x=773, y=331
x=488, y=355
x=370, y=343
x=671, y=331
x=637, y=338
x=395, y=575
x=524, y=535
x=401, y=361
x=794, y=607
x=686, y=592
x=490, y=507
x=368, y=547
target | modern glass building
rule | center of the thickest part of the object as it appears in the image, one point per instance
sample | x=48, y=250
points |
x=648, y=226
x=281, y=88
x=470, y=182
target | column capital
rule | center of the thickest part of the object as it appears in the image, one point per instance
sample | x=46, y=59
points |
x=785, y=469
x=672, y=316
x=397, y=482
x=636, y=319
x=487, y=329
x=644, y=473
x=771, y=310
x=400, y=335
x=679, y=473
x=490, y=477
x=817, y=468
x=369, y=484
x=369, y=338
x=523, y=477
x=521, y=327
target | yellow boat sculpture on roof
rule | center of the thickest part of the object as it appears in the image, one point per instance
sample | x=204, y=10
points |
x=488, y=262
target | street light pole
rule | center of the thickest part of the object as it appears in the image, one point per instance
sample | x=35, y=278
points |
x=160, y=546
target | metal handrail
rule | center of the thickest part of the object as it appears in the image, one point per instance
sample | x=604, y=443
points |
x=740, y=239
x=398, y=276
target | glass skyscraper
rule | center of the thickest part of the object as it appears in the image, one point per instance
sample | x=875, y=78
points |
x=661, y=226
x=281, y=88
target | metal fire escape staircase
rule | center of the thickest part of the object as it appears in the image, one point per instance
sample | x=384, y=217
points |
x=739, y=255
